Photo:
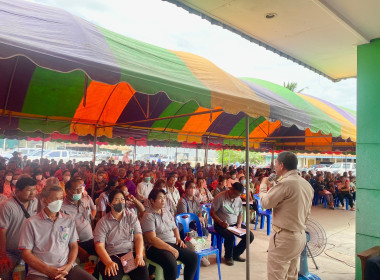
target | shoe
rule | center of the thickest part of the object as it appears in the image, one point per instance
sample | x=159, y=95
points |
x=352, y=209
x=229, y=261
x=342, y=208
x=239, y=259
x=205, y=262
x=332, y=207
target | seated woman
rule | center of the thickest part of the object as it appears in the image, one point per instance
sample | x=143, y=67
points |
x=102, y=201
x=164, y=245
x=202, y=193
x=322, y=191
x=188, y=204
x=344, y=191
x=116, y=234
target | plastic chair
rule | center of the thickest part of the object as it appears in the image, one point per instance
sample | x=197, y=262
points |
x=210, y=226
x=263, y=214
x=159, y=272
x=185, y=220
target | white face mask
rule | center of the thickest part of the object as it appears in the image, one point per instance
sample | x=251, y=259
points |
x=55, y=206
x=39, y=177
x=8, y=178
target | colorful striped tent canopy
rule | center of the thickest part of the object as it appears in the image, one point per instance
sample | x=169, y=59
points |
x=67, y=78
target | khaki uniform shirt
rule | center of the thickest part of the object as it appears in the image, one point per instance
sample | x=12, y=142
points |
x=291, y=199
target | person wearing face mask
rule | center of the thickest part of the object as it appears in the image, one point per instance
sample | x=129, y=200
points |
x=180, y=184
x=233, y=179
x=145, y=187
x=189, y=204
x=163, y=243
x=102, y=201
x=80, y=210
x=37, y=175
x=99, y=185
x=7, y=186
x=226, y=211
x=13, y=212
x=117, y=234
x=202, y=193
x=48, y=241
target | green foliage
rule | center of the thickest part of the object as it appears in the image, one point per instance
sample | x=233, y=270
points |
x=292, y=86
x=233, y=156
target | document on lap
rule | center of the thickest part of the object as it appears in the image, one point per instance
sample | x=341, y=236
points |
x=237, y=231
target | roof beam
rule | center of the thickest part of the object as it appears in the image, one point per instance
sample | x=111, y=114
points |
x=336, y=15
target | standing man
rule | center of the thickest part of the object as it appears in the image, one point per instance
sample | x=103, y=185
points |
x=291, y=200
x=13, y=212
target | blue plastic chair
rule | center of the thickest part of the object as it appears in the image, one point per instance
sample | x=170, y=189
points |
x=263, y=214
x=185, y=220
x=210, y=227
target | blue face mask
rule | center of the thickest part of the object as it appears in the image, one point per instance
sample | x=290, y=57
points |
x=77, y=196
x=243, y=182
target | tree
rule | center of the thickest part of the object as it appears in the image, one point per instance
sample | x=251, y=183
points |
x=292, y=86
x=233, y=156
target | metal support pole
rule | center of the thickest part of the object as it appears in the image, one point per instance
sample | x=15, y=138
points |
x=247, y=211
x=176, y=155
x=93, y=162
x=272, y=160
x=43, y=145
x=134, y=152
x=206, y=151
x=222, y=157
x=196, y=155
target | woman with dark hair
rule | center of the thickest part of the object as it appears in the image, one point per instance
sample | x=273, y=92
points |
x=37, y=175
x=116, y=235
x=102, y=201
x=163, y=243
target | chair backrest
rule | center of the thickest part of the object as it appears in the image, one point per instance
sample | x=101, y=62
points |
x=207, y=207
x=185, y=219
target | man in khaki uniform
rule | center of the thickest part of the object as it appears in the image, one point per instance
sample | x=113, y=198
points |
x=291, y=199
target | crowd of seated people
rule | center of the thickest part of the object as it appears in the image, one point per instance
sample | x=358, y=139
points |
x=52, y=213
x=335, y=188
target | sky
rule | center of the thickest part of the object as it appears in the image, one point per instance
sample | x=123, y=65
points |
x=163, y=24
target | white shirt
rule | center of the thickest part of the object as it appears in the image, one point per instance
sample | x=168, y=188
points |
x=143, y=190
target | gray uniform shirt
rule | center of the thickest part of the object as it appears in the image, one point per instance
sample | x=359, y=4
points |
x=162, y=224
x=291, y=200
x=48, y=240
x=227, y=209
x=82, y=217
x=12, y=218
x=185, y=205
x=117, y=236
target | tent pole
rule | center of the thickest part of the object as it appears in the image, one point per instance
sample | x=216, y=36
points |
x=222, y=157
x=196, y=156
x=176, y=155
x=134, y=153
x=272, y=160
x=229, y=156
x=206, y=151
x=247, y=211
x=43, y=145
x=93, y=162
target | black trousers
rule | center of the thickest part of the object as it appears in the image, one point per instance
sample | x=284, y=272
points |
x=169, y=263
x=342, y=195
x=88, y=246
x=372, y=269
x=140, y=273
x=76, y=273
x=231, y=251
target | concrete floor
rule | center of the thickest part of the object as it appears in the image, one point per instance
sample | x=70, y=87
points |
x=337, y=262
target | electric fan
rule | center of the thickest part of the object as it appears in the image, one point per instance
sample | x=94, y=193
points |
x=315, y=244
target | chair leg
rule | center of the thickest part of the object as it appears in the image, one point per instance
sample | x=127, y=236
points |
x=257, y=220
x=218, y=262
x=262, y=221
x=196, y=276
x=220, y=244
x=346, y=200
